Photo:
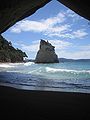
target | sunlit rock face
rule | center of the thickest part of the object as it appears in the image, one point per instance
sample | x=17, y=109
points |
x=46, y=53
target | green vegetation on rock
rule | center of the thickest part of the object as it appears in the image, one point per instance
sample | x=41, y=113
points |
x=8, y=53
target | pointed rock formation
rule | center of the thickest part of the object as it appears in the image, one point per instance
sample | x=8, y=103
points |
x=46, y=53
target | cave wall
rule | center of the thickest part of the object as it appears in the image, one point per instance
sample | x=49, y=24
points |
x=12, y=11
x=81, y=7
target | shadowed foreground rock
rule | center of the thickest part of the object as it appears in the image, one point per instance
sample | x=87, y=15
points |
x=12, y=11
x=46, y=53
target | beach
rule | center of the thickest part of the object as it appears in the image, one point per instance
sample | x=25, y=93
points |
x=43, y=105
x=45, y=92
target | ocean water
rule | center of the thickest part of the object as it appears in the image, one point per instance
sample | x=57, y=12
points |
x=65, y=76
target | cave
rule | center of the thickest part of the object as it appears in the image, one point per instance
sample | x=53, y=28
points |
x=42, y=105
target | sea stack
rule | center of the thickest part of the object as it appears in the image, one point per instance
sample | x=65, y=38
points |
x=46, y=53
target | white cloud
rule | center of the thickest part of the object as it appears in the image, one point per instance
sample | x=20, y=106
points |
x=27, y=25
x=30, y=48
x=34, y=46
x=59, y=18
x=80, y=52
x=38, y=26
x=79, y=55
x=70, y=13
x=74, y=55
x=74, y=16
x=85, y=47
x=62, y=49
x=80, y=33
x=56, y=31
x=60, y=44
x=53, y=26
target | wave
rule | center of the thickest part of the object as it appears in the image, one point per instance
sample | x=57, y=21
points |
x=6, y=65
x=28, y=63
x=9, y=65
x=54, y=70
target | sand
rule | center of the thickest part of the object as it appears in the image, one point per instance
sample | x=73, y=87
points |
x=43, y=105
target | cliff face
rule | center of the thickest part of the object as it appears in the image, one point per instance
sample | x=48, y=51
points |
x=46, y=53
x=8, y=53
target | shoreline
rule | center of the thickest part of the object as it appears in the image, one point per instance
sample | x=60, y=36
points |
x=33, y=82
x=43, y=105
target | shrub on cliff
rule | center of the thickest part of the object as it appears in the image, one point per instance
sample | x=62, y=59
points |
x=8, y=53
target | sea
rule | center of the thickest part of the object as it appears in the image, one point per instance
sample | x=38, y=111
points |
x=64, y=76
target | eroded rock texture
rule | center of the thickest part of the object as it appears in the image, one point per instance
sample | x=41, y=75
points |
x=46, y=53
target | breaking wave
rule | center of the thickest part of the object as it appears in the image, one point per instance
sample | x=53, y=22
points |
x=9, y=65
x=54, y=70
x=6, y=65
x=28, y=63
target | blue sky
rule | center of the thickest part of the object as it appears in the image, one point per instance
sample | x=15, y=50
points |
x=66, y=30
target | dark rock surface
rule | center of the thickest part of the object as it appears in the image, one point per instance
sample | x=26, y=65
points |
x=8, y=53
x=46, y=53
x=81, y=7
x=12, y=11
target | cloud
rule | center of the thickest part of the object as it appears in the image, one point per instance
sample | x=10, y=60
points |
x=60, y=44
x=79, y=33
x=62, y=49
x=57, y=26
x=34, y=46
x=74, y=55
x=73, y=15
x=79, y=55
x=27, y=25
x=80, y=52
x=30, y=48
x=38, y=26
x=49, y=26
x=85, y=47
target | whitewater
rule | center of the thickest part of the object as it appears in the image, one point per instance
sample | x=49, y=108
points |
x=65, y=76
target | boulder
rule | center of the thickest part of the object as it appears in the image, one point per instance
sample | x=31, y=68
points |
x=46, y=53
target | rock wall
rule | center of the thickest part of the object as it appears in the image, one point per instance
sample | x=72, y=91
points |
x=12, y=11
x=46, y=53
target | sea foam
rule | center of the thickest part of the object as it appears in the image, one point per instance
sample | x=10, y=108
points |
x=6, y=65
x=54, y=70
x=28, y=63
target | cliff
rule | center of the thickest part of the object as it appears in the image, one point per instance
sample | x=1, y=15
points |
x=8, y=53
x=46, y=53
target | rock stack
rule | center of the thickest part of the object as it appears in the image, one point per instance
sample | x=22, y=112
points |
x=46, y=53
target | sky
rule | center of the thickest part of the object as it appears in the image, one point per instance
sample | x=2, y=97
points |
x=63, y=28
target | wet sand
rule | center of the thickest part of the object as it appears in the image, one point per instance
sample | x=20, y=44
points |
x=43, y=105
